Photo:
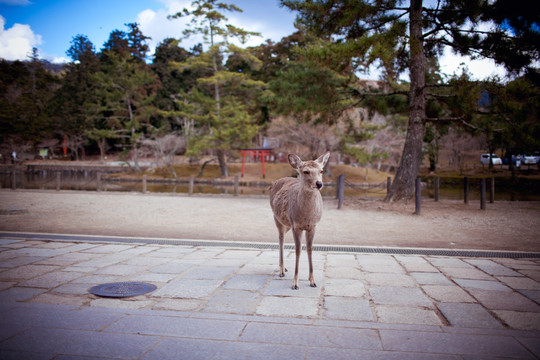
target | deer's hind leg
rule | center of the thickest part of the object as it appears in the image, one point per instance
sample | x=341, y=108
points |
x=282, y=229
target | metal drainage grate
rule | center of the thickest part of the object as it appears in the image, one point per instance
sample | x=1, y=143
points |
x=122, y=289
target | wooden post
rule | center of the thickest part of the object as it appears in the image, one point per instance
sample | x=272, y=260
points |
x=418, y=197
x=58, y=180
x=98, y=180
x=492, y=191
x=236, y=185
x=483, y=194
x=388, y=184
x=14, y=178
x=341, y=190
x=191, y=181
x=144, y=184
x=466, y=189
x=436, y=186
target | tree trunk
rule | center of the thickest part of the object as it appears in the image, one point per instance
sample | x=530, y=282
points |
x=222, y=163
x=403, y=185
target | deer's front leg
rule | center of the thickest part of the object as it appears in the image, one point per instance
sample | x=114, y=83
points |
x=310, y=234
x=282, y=267
x=297, y=234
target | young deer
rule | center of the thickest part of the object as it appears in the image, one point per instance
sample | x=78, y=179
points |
x=297, y=204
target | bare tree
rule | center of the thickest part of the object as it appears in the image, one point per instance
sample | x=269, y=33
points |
x=164, y=149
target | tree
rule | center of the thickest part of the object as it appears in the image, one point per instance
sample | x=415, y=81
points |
x=400, y=38
x=207, y=20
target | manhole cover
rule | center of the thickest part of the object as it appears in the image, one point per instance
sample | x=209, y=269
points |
x=122, y=289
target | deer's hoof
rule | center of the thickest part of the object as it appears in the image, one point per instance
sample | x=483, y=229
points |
x=313, y=285
x=282, y=275
x=295, y=287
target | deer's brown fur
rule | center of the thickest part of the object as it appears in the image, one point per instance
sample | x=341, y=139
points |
x=297, y=204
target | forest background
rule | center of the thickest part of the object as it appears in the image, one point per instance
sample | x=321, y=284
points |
x=303, y=91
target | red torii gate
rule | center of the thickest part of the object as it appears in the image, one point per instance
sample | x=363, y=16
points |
x=261, y=153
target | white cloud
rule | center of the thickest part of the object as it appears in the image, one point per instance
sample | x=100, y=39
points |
x=479, y=69
x=16, y=43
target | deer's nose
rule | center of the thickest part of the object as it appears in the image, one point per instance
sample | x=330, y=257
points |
x=319, y=184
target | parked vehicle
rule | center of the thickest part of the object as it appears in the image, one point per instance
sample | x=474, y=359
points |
x=484, y=159
x=529, y=159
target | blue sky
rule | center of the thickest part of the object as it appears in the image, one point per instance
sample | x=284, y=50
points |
x=50, y=25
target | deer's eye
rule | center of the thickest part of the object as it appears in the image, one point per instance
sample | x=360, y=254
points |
x=306, y=172
x=322, y=171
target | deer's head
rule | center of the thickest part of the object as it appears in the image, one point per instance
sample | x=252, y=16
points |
x=310, y=172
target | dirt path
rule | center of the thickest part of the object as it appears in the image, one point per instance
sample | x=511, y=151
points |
x=447, y=224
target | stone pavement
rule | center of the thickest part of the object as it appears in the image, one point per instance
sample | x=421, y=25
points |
x=228, y=303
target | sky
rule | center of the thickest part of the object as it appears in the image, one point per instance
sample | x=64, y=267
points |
x=50, y=25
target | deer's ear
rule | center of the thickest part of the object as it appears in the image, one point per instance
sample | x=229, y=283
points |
x=323, y=159
x=294, y=160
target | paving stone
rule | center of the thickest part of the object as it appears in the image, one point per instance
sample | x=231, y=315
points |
x=121, y=303
x=259, y=269
x=520, y=320
x=73, y=289
x=19, y=293
x=468, y=315
x=179, y=305
x=344, y=287
x=533, y=274
x=68, y=259
x=534, y=295
x=465, y=273
x=238, y=254
x=147, y=261
x=407, y=315
x=347, y=308
x=340, y=272
x=52, y=280
x=233, y=301
x=385, y=279
x=174, y=349
x=247, y=282
x=19, y=261
x=450, y=343
x=209, y=273
x=416, y=264
x=503, y=300
x=520, y=283
x=341, y=260
x=84, y=343
x=482, y=285
x=152, y=277
x=58, y=299
x=26, y=272
x=492, y=267
x=188, y=288
x=175, y=267
x=379, y=264
x=6, y=284
x=121, y=270
x=97, y=279
x=178, y=327
x=108, y=249
x=442, y=293
x=308, y=335
x=391, y=295
x=139, y=250
x=283, y=287
x=449, y=262
x=320, y=353
x=430, y=278
x=288, y=306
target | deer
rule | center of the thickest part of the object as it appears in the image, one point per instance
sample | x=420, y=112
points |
x=297, y=204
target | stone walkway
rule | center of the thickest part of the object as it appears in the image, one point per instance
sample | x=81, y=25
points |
x=229, y=303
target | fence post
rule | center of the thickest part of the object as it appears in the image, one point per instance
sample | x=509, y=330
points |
x=144, y=184
x=466, y=189
x=418, y=196
x=436, y=185
x=483, y=194
x=14, y=178
x=236, y=185
x=191, y=180
x=98, y=180
x=341, y=190
x=388, y=184
x=492, y=191
x=58, y=180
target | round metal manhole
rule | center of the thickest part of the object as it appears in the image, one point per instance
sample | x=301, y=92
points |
x=122, y=289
